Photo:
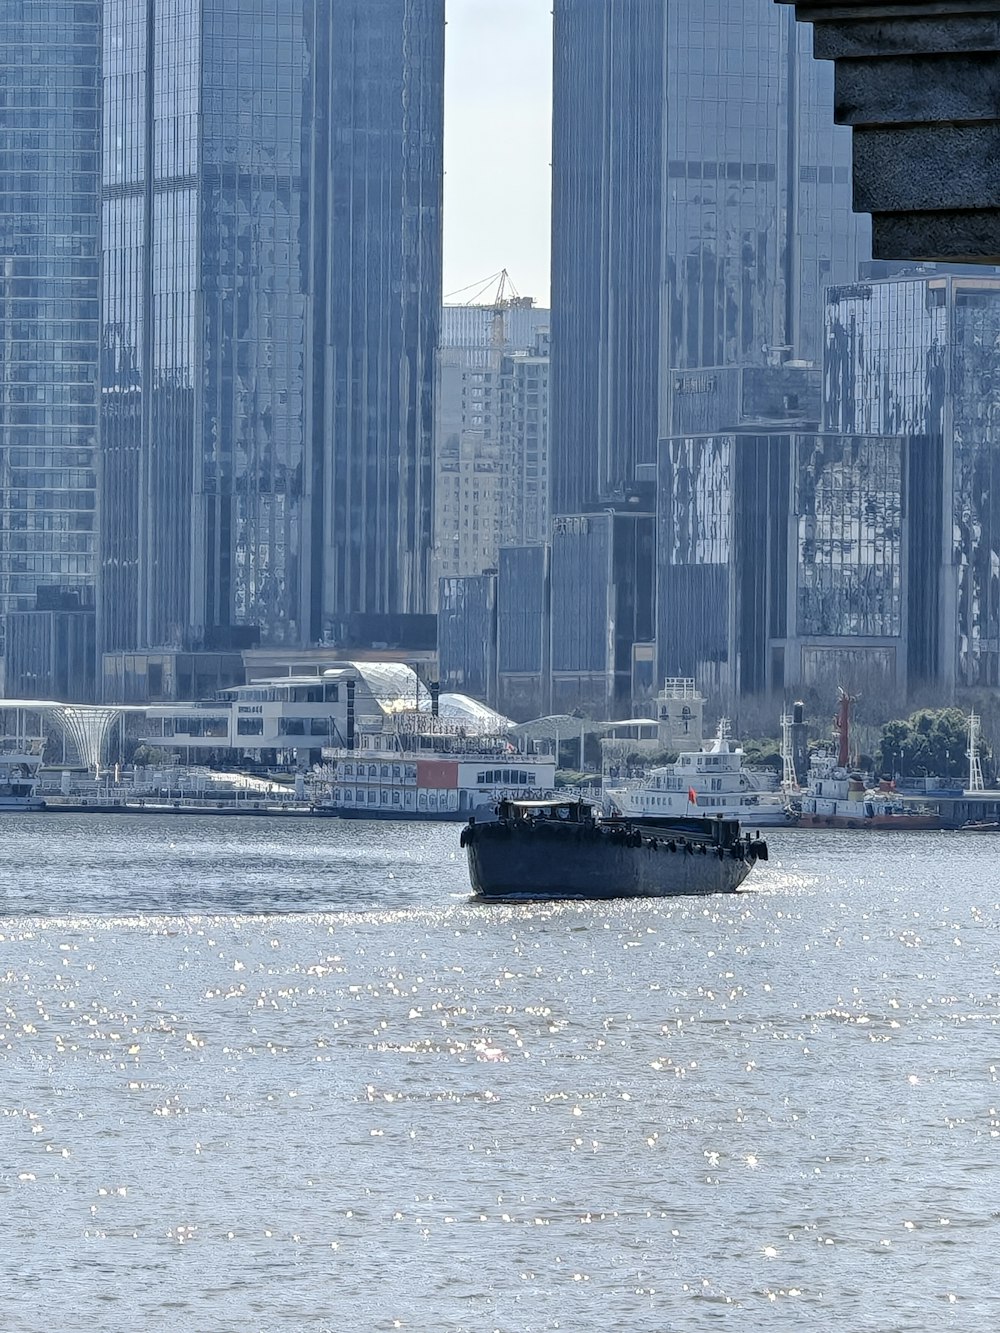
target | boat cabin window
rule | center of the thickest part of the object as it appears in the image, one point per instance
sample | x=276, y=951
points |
x=568, y=811
x=506, y=777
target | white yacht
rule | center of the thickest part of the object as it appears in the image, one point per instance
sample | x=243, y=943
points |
x=19, y=765
x=710, y=782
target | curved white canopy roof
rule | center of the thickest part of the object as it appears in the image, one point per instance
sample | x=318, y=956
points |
x=462, y=708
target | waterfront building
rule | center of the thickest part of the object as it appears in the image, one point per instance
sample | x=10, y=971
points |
x=486, y=430
x=291, y=715
x=917, y=354
x=524, y=632
x=790, y=559
x=602, y=585
x=49, y=345
x=356, y=712
x=467, y=635
x=271, y=203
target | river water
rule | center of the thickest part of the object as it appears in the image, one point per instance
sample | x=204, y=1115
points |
x=265, y=1074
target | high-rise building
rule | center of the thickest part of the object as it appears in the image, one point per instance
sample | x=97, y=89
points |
x=607, y=210
x=789, y=559
x=701, y=203
x=485, y=429
x=603, y=573
x=272, y=175
x=524, y=427
x=49, y=344
x=524, y=632
x=918, y=354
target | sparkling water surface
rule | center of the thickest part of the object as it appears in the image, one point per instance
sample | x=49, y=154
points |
x=277, y=1074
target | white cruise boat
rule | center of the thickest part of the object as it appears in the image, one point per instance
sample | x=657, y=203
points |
x=426, y=767
x=19, y=777
x=710, y=782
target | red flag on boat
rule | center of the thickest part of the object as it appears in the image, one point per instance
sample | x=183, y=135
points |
x=692, y=796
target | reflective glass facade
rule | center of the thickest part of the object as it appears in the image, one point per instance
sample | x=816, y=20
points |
x=777, y=549
x=757, y=216
x=49, y=343
x=849, y=531
x=271, y=233
x=467, y=636
x=694, y=555
x=920, y=355
x=701, y=203
x=607, y=128
x=523, y=631
x=603, y=574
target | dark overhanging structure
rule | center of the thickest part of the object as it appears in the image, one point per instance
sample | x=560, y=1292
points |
x=919, y=83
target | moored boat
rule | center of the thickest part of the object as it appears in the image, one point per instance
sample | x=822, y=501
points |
x=423, y=767
x=563, y=849
x=19, y=778
x=838, y=796
x=835, y=797
x=712, y=781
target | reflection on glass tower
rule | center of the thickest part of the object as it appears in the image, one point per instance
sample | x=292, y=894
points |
x=48, y=340
x=921, y=354
x=271, y=234
x=757, y=215
x=701, y=203
x=782, y=558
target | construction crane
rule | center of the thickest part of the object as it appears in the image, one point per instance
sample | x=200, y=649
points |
x=505, y=297
x=506, y=294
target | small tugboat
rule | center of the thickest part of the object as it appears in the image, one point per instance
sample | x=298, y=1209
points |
x=836, y=796
x=563, y=849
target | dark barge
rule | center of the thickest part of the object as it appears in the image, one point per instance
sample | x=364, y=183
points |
x=562, y=849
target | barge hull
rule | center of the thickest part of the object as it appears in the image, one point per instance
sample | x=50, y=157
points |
x=586, y=863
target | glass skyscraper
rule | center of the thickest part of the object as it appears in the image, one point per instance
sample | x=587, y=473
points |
x=607, y=209
x=920, y=354
x=789, y=559
x=49, y=340
x=701, y=203
x=272, y=179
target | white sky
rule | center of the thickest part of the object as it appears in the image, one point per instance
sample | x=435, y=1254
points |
x=498, y=91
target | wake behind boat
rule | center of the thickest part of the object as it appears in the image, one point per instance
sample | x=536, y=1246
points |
x=563, y=849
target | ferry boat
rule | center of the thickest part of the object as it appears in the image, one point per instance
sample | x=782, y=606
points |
x=564, y=849
x=19, y=767
x=712, y=781
x=425, y=767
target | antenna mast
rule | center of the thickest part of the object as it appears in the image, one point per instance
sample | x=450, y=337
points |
x=789, y=782
x=976, y=782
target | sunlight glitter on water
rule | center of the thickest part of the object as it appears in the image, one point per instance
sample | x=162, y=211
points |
x=357, y=1109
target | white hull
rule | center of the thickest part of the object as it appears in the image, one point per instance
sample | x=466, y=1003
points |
x=769, y=815
x=707, y=784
